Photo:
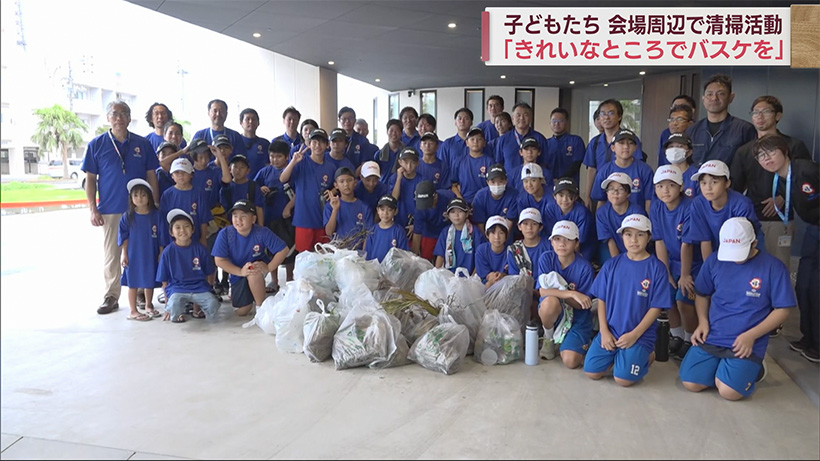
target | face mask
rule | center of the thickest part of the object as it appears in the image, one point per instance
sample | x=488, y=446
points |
x=676, y=154
x=498, y=190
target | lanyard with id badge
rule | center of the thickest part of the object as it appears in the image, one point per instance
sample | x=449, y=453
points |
x=784, y=240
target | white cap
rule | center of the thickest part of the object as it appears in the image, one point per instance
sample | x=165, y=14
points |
x=139, y=181
x=371, y=168
x=532, y=170
x=736, y=237
x=182, y=164
x=636, y=221
x=712, y=167
x=668, y=172
x=177, y=212
x=497, y=220
x=530, y=213
x=621, y=178
x=566, y=229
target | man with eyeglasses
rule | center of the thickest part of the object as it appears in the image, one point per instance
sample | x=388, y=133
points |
x=679, y=120
x=719, y=135
x=111, y=160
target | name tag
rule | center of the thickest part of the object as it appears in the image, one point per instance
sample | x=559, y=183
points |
x=784, y=241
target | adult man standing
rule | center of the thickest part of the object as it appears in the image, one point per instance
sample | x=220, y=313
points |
x=111, y=160
x=256, y=148
x=290, y=118
x=358, y=148
x=157, y=116
x=218, y=113
x=361, y=127
x=718, y=136
x=495, y=106
x=508, y=146
x=567, y=150
x=677, y=122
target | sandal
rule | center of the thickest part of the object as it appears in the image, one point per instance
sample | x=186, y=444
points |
x=179, y=319
x=152, y=312
x=140, y=317
x=198, y=314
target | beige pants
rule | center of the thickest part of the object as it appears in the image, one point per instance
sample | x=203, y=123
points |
x=772, y=231
x=112, y=268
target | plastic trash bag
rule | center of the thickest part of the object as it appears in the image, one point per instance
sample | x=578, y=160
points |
x=512, y=295
x=415, y=322
x=353, y=296
x=265, y=313
x=465, y=304
x=442, y=349
x=402, y=268
x=289, y=316
x=318, y=330
x=432, y=285
x=316, y=268
x=499, y=339
x=355, y=269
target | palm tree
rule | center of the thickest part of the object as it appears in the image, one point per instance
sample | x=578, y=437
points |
x=61, y=128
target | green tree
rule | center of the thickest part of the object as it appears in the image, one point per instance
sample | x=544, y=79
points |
x=58, y=128
x=101, y=129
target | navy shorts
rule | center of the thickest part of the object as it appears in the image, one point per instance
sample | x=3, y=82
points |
x=701, y=367
x=241, y=294
x=629, y=364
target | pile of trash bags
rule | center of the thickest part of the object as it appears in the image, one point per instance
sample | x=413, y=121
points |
x=379, y=315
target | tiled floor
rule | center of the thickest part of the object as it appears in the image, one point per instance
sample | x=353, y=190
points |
x=79, y=385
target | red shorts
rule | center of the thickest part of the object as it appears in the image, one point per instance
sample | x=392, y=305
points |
x=307, y=238
x=428, y=244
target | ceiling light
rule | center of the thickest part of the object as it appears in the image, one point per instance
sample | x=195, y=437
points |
x=503, y=76
x=452, y=25
x=257, y=34
x=330, y=63
x=572, y=82
x=642, y=73
x=606, y=84
x=378, y=80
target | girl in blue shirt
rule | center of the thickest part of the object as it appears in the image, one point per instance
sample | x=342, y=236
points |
x=386, y=234
x=631, y=288
x=140, y=247
x=491, y=256
x=457, y=243
x=640, y=174
x=610, y=216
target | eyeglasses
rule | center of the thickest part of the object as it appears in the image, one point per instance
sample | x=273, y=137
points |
x=615, y=190
x=677, y=120
x=608, y=113
x=764, y=112
x=117, y=114
x=555, y=120
x=765, y=154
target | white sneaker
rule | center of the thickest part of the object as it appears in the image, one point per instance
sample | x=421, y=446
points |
x=548, y=349
x=764, y=370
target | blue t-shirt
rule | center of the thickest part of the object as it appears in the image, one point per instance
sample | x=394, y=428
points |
x=429, y=223
x=380, y=241
x=156, y=140
x=598, y=151
x=661, y=151
x=343, y=162
x=292, y=142
x=471, y=174
x=485, y=205
x=579, y=275
x=565, y=150
x=743, y=295
x=277, y=198
x=407, y=201
x=670, y=227
x=185, y=268
x=526, y=200
x=508, y=149
x=706, y=221
x=209, y=181
x=113, y=172
x=209, y=134
x=691, y=188
x=190, y=201
x=164, y=180
x=462, y=258
x=386, y=165
x=351, y=218
x=486, y=261
x=490, y=132
x=629, y=289
x=514, y=180
x=414, y=140
x=642, y=181
x=451, y=151
x=310, y=180
x=437, y=172
x=582, y=217
x=233, y=192
x=231, y=245
x=608, y=221
x=256, y=150
x=535, y=255
x=371, y=199
x=143, y=249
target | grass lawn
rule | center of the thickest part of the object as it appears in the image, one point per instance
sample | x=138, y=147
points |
x=15, y=192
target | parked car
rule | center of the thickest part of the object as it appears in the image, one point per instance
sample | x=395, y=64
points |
x=55, y=168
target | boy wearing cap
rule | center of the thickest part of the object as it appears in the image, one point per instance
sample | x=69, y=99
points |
x=455, y=148
x=248, y=252
x=624, y=145
x=185, y=197
x=742, y=295
x=256, y=148
x=565, y=307
x=566, y=206
x=311, y=180
x=240, y=187
x=523, y=255
x=338, y=145
x=457, y=242
x=386, y=156
x=716, y=203
x=184, y=270
x=631, y=288
x=470, y=172
x=344, y=214
x=207, y=175
x=430, y=218
x=386, y=234
x=608, y=218
x=164, y=180
x=678, y=153
x=671, y=218
x=495, y=199
x=534, y=194
x=370, y=187
x=432, y=168
x=491, y=256
x=530, y=151
x=402, y=185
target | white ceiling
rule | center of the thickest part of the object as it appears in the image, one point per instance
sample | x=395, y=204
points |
x=406, y=44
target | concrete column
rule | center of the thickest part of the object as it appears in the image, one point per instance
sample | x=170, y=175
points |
x=328, y=99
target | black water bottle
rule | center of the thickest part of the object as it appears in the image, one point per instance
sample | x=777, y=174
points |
x=662, y=342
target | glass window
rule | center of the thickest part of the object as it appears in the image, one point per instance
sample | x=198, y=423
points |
x=526, y=95
x=393, y=105
x=474, y=100
x=428, y=102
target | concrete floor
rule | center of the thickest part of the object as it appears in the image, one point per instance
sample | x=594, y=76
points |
x=79, y=385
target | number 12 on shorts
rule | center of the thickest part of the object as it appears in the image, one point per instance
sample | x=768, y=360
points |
x=635, y=370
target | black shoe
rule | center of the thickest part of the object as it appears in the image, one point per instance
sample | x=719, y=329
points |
x=108, y=306
x=217, y=290
x=776, y=332
x=675, y=343
x=799, y=346
x=811, y=355
x=681, y=353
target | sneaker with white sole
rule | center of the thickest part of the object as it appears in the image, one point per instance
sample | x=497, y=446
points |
x=799, y=345
x=764, y=370
x=547, y=349
x=811, y=355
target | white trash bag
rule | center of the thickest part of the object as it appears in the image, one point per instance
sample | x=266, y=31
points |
x=318, y=330
x=289, y=316
x=442, y=349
